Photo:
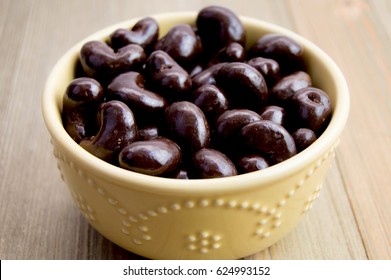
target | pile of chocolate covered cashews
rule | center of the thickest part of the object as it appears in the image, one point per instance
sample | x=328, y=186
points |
x=195, y=102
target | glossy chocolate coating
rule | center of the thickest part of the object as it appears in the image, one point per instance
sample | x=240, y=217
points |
x=207, y=76
x=77, y=123
x=179, y=173
x=251, y=163
x=270, y=138
x=167, y=76
x=230, y=123
x=313, y=108
x=129, y=88
x=303, y=137
x=274, y=113
x=187, y=126
x=80, y=103
x=269, y=68
x=182, y=44
x=234, y=52
x=99, y=60
x=148, y=132
x=227, y=132
x=144, y=33
x=285, y=88
x=152, y=157
x=211, y=100
x=82, y=91
x=218, y=27
x=117, y=129
x=210, y=163
x=243, y=84
x=286, y=51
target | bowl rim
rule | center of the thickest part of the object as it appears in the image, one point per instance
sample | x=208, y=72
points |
x=141, y=182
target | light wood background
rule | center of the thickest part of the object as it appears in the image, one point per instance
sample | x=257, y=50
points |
x=352, y=218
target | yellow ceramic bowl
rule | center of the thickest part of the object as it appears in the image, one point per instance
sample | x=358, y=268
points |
x=225, y=218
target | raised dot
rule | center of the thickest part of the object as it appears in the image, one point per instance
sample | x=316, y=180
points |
x=244, y=205
x=112, y=201
x=192, y=247
x=122, y=211
x=80, y=172
x=192, y=238
x=272, y=211
x=300, y=183
x=143, y=216
x=255, y=206
x=89, y=209
x=147, y=237
x=189, y=204
x=277, y=224
x=216, y=245
x=219, y=202
x=204, y=234
x=263, y=210
x=216, y=237
x=101, y=191
x=143, y=228
x=291, y=193
x=259, y=231
x=91, y=217
x=90, y=182
x=176, y=206
x=319, y=163
x=266, y=234
x=310, y=172
x=204, y=203
x=163, y=210
x=137, y=241
x=126, y=223
x=72, y=165
x=81, y=198
x=151, y=213
x=263, y=222
x=232, y=203
x=125, y=231
x=132, y=219
x=204, y=242
x=277, y=215
x=282, y=202
x=204, y=250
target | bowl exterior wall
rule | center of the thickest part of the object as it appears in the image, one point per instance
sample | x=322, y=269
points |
x=218, y=226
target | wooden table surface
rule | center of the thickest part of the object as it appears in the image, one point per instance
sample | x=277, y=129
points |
x=352, y=218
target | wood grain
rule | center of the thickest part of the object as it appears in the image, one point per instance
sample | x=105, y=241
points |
x=352, y=218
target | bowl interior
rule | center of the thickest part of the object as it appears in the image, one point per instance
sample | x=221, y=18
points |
x=324, y=72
